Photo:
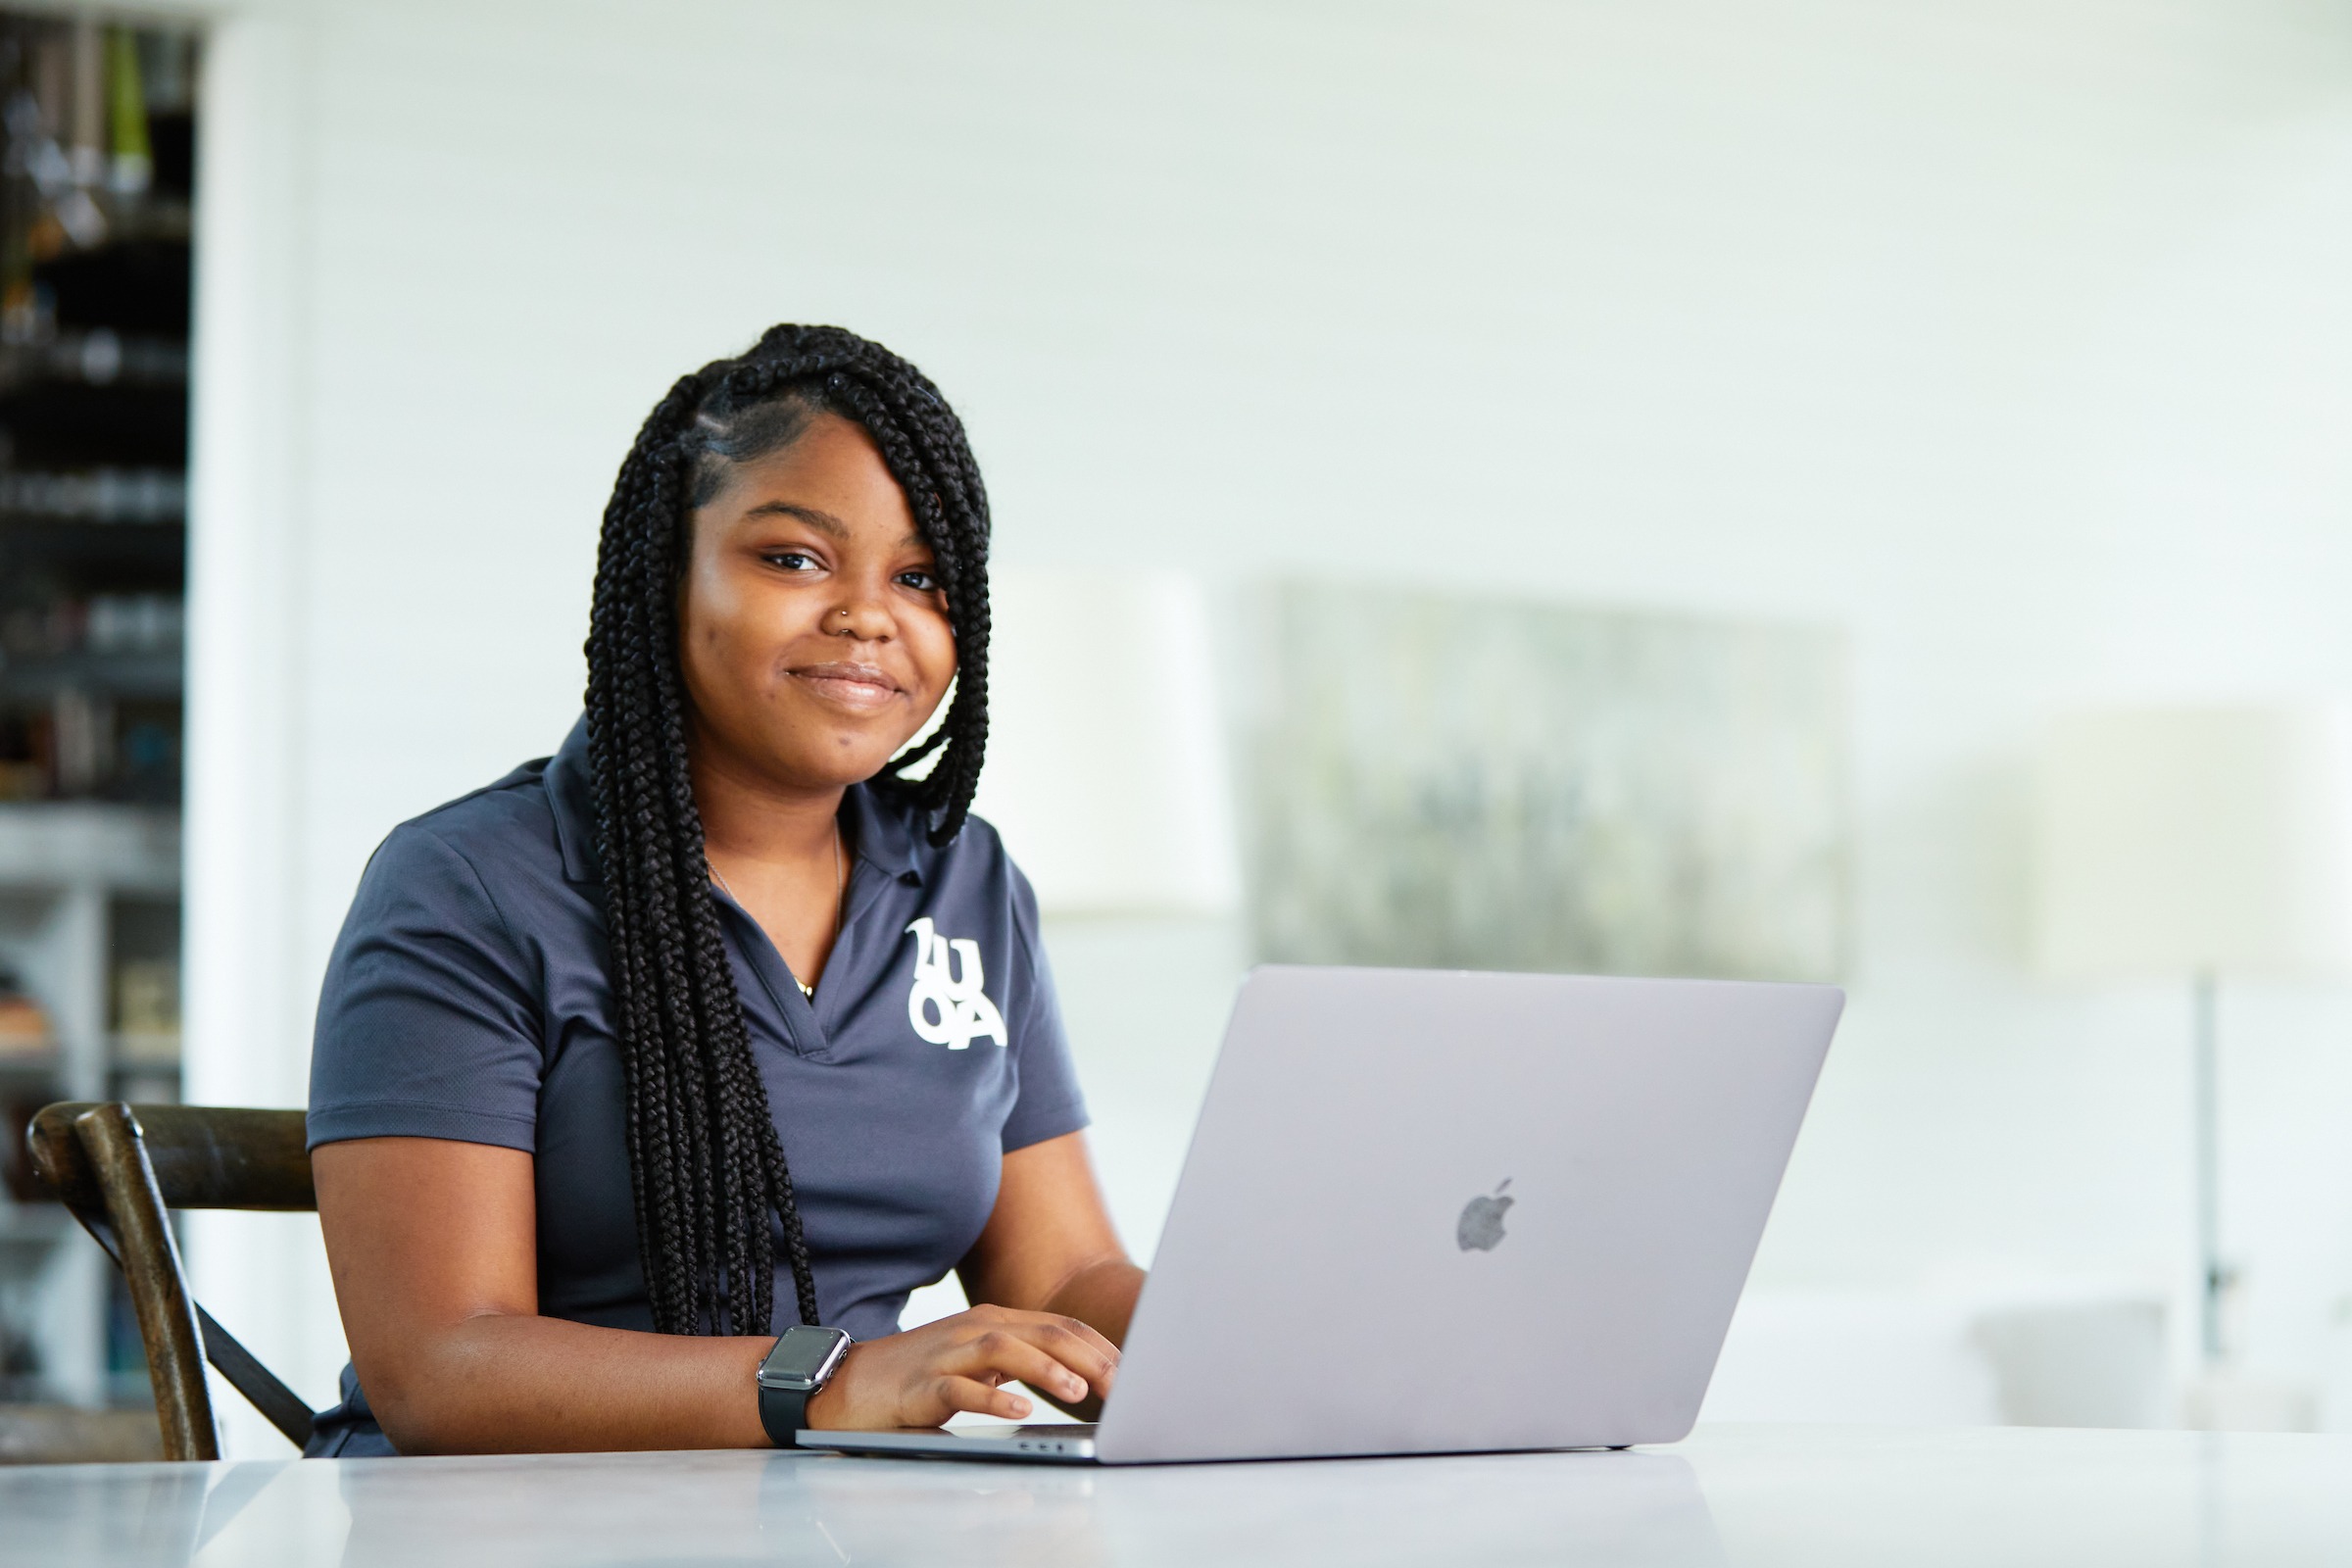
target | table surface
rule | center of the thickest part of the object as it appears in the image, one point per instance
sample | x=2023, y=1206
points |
x=1818, y=1496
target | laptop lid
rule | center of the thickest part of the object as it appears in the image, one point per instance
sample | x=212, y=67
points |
x=1442, y=1212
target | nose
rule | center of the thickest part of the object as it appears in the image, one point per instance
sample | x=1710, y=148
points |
x=861, y=617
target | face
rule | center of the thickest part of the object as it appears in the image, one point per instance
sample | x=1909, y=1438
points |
x=813, y=631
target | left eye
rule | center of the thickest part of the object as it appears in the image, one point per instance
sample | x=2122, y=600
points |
x=922, y=582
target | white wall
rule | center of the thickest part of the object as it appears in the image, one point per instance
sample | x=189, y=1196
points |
x=2008, y=334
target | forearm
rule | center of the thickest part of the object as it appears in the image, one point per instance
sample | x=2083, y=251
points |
x=503, y=1383
x=1102, y=1296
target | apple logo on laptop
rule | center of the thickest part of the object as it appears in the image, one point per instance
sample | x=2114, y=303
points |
x=1481, y=1224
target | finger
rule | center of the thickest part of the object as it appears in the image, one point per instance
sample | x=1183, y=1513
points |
x=1085, y=1334
x=1098, y=1343
x=970, y=1393
x=1076, y=1345
x=1007, y=1318
x=1004, y=1355
x=1012, y=1352
x=1079, y=1348
x=1067, y=1338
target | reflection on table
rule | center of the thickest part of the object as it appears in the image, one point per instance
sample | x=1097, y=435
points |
x=1816, y=1496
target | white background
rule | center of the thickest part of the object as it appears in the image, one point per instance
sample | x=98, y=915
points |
x=2009, y=335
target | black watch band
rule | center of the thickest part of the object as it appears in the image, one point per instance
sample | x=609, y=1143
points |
x=784, y=1412
x=796, y=1369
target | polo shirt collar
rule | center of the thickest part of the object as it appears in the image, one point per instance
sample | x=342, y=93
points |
x=574, y=805
x=884, y=836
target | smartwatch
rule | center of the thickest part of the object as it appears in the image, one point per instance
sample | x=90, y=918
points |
x=803, y=1362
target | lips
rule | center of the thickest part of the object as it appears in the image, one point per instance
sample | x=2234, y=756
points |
x=859, y=687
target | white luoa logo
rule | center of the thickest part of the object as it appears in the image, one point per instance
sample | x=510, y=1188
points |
x=945, y=1004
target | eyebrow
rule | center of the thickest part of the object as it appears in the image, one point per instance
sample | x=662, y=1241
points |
x=822, y=522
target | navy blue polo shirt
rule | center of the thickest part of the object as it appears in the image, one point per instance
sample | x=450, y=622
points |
x=467, y=999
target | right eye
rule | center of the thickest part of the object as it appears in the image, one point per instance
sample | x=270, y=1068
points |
x=790, y=561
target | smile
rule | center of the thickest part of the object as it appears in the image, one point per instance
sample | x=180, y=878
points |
x=860, y=688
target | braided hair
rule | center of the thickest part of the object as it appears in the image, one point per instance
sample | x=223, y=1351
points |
x=707, y=1167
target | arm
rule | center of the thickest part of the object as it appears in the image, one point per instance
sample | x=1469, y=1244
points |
x=1050, y=1292
x=1048, y=1247
x=434, y=1250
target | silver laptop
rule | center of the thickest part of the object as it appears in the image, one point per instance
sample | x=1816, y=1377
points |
x=1431, y=1212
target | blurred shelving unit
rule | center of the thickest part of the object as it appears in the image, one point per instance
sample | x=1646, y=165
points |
x=96, y=207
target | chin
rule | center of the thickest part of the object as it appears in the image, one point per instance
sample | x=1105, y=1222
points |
x=854, y=761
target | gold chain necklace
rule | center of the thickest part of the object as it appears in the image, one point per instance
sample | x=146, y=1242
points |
x=841, y=895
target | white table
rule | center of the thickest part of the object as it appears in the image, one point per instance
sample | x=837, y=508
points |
x=1815, y=1497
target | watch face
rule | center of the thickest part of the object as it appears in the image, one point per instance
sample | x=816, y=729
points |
x=801, y=1355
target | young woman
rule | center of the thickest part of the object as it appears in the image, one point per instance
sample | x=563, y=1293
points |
x=721, y=1019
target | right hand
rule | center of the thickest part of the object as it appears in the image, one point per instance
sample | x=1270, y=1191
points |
x=922, y=1377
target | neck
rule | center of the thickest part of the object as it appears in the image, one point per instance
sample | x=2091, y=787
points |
x=751, y=821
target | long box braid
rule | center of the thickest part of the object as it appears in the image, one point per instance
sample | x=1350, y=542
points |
x=706, y=1166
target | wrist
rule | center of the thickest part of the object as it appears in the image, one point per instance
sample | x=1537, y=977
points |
x=826, y=1405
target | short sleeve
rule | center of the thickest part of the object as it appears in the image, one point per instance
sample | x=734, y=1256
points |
x=429, y=1024
x=1046, y=1102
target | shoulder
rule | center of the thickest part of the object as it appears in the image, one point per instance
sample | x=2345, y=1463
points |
x=452, y=856
x=975, y=859
x=977, y=848
x=507, y=816
x=971, y=879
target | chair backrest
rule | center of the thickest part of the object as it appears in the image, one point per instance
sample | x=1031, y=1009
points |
x=119, y=1169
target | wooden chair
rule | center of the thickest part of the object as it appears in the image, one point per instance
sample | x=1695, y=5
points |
x=119, y=1169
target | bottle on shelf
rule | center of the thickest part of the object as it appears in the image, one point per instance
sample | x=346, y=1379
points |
x=25, y=1030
